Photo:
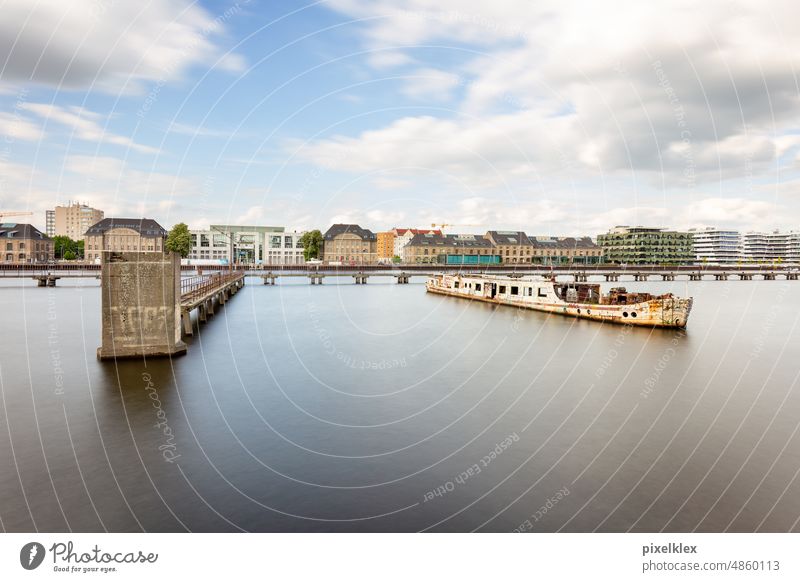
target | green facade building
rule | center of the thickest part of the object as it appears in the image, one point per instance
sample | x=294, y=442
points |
x=638, y=245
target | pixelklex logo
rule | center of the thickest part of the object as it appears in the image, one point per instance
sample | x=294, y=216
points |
x=31, y=555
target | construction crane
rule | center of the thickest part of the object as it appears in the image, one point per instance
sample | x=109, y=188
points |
x=4, y=214
x=443, y=226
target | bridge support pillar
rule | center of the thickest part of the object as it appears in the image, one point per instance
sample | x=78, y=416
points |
x=202, y=314
x=210, y=306
x=141, y=305
x=402, y=279
x=269, y=279
x=186, y=323
x=41, y=281
x=667, y=277
x=769, y=276
x=640, y=276
x=612, y=277
x=791, y=276
x=695, y=277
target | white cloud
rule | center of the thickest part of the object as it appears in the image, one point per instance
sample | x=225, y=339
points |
x=84, y=125
x=672, y=90
x=14, y=127
x=108, y=45
x=388, y=59
x=430, y=84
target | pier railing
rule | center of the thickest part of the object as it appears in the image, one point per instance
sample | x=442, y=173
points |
x=192, y=287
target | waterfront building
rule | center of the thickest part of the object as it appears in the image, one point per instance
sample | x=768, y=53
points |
x=547, y=250
x=385, y=245
x=349, y=244
x=123, y=234
x=24, y=243
x=716, y=246
x=402, y=236
x=72, y=220
x=639, y=245
x=793, y=248
x=285, y=248
x=511, y=246
x=451, y=249
x=210, y=246
x=247, y=244
x=765, y=247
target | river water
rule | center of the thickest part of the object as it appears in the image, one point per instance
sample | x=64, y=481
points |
x=382, y=408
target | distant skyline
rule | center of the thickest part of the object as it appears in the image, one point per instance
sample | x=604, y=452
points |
x=558, y=118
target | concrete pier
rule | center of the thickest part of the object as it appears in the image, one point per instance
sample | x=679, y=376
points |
x=141, y=305
x=360, y=278
x=402, y=279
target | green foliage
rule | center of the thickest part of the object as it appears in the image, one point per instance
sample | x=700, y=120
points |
x=66, y=248
x=396, y=259
x=312, y=244
x=179, y=240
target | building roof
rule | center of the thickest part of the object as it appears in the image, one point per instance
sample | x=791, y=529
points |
x=562, y=242
x=451, y=240
x=337, y=229
x=146, y=227
x=508, y=237
x=27, y=231
x=402, y=231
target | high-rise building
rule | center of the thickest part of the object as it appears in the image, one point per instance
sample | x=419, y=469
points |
x=639, y=245
x=793, y=253
x=72, y=220
x=50, y=223
x=385, y=245
x=716, y=246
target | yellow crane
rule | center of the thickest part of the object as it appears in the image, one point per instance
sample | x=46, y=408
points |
x=4, y=214
x=445, y=225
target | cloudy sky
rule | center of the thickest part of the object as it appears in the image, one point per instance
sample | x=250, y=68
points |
x=553, y=117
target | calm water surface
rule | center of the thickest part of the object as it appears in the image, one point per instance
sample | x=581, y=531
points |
x=383, y=408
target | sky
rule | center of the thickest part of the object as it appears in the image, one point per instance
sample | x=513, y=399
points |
x=553, y=117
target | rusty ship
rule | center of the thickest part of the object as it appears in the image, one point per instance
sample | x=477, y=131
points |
x=584, y=300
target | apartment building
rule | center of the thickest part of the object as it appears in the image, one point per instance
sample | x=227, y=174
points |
x=349, y=244
x=72, y=220
x=716, y=246
x=639, y=245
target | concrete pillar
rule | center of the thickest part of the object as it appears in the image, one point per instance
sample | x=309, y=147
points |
x=51, y=281
x=41, y=281
x=141, y=307
x=202, y=315
x=186, y=323
x=210, y=306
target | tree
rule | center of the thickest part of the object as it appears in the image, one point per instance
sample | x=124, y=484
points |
x=66, y=248
x=179, y=240
x=312, y=244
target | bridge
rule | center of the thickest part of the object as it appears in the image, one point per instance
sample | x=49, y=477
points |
x=202, y=291
x=47, y=275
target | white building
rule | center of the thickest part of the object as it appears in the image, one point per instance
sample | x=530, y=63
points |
x=716, y=246
x=210, y=246
x=284, y=248
x=402, y=236
x=765, y=247
x=793, y=247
